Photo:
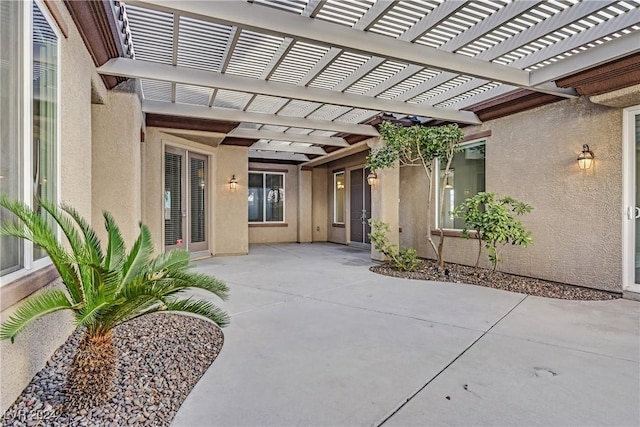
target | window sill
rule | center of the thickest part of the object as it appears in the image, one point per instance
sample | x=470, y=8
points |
x=268, y=224
x=338, y=225
x=24, y=286
x=454, y=233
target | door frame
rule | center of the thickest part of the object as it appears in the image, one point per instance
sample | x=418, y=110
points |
x=628, y=200
x=348, y=202
x=187, y=150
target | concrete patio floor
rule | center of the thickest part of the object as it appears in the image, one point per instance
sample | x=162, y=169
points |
x=316, y=339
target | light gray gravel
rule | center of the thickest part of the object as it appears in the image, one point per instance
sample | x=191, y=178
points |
x=160, y=359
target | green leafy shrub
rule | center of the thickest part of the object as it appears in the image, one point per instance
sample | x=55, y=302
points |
x=420, y=146
x=403, y=259
x=493, y=223
x=104, y=287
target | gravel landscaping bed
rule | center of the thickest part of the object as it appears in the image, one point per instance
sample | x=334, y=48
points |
x=160, y=359
x=457, y=273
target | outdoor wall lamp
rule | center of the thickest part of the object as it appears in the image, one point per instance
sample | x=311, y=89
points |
x=585, y=159
x=233, y=183
x=372, y=178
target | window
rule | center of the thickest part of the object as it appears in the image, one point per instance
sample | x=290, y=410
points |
x=466, y=179
x=338, y=197
x=29, y=84
x=266, y=197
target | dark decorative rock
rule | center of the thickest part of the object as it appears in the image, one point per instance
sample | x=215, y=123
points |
x=156, y=370
x=457, y=273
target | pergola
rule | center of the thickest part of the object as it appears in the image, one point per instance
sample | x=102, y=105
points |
x=300, y=78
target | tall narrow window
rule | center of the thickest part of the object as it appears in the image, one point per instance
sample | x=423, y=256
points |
x=11, y=138
x=44, y=112
x=266, y=197
x=28, y=122
x=466, y=179
x=338, y=197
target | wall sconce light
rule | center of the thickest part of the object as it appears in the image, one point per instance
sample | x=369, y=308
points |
x=372, y=178
x=201, y=176
x=233, y=183
x=585, y=159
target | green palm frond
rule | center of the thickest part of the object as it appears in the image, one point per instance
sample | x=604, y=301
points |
x=105, y=288
x=199, y=307
x=88, y=315
x=33, y=227
x=67, y=227
x=173, y=260
x=187, y=280
x=116, y=249
x=138, y=258
x=47, y=302
x=91, y=241
x=126, y=308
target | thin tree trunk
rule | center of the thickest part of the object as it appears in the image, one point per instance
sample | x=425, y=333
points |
x=90, y=377
x=441, y=214
x=429, y=202
x=479, y=250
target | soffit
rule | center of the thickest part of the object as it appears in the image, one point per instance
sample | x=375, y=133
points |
x=313, y=67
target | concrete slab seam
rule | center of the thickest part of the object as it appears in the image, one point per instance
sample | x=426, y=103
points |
x=564, y=347
x=401, y=315
x=407, y=400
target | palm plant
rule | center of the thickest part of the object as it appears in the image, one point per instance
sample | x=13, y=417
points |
x=105, y=287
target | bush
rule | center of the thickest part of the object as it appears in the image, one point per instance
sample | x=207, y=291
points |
x=402, y=259
x=494, y=222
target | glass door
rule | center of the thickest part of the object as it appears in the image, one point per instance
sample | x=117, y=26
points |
x=197, y=202
x=360, y=206
x=175, y=211
x=631, y=220
x=185, y=200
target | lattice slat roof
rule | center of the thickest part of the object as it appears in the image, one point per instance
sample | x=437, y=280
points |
x=429, y=58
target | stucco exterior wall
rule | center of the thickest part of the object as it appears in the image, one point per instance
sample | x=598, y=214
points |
x=20, y=361
x=116, y=161
x=305, y=195
x=77, y=76
x=231, y=233
x=576, y=222
x=272, y=233
x=320, y=215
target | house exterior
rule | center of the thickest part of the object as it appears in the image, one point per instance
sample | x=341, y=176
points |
x=104, y=106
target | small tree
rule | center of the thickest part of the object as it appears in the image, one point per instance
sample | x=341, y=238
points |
x=494, y=222
x=403, y=259
x=420, y=146
x=104, y=287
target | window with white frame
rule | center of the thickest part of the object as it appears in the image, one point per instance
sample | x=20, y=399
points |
x=266, y=197
x=466, y=179
x=29, y=85
x=338, y=197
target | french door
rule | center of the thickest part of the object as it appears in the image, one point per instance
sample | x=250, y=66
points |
x=185, y=200
x=360, y=206
x=631, y=200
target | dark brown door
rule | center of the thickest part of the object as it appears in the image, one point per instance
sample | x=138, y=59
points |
x=360, y=204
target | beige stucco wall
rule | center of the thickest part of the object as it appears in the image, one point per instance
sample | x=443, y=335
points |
x=269, y=233
x=305, y=213
x=20, y=361
x=320, y=215
x=116, y=161
x=576, y=222
x=231, y=232
x=385, y=194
